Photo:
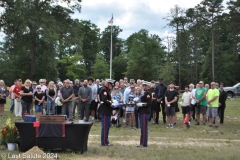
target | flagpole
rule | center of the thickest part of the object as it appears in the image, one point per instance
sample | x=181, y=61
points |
x=111, y=55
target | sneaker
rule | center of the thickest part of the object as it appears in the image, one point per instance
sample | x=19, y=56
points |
x=168, y=126
x=197, y=124
x=171, y=126
x=124, y=121
x=216, y=127
x=204, y=124
x=210, y=125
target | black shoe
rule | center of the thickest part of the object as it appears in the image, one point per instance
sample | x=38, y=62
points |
x=210, y=125
x=204, y=124
x=197, y=124
x=216, y=127
x=108, y=144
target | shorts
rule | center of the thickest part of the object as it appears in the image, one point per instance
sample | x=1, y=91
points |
x=170, y=111
x=130, y=109
x=93, y=105
x=2, y=101
x=38, y=108
x=212, y=112
x=186, y=110
x=201, y=110
x=193, y=106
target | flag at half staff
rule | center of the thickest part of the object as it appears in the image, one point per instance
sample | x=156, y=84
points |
x=111, y=20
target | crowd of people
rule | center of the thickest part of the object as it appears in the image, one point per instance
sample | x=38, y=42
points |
x=94, y=97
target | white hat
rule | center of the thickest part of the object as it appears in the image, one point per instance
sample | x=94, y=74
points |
x=146, y=83
x=110, y=80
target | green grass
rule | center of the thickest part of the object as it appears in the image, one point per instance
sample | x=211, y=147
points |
x=198, y=142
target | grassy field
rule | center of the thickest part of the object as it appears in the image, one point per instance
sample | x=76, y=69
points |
x=198, y=142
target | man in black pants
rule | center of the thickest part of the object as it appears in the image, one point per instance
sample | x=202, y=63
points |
x=160, y=93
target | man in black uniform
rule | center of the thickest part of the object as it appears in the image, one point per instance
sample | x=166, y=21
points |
x=144, y=114
x=105, y=110
x=160, y=93
x=222, y=103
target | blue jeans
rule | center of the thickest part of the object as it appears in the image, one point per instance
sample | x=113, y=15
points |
x=38, y=108
x=105, y=120
x=50, y=106
x=67, y=109
x=12, y=105
x=144, y=128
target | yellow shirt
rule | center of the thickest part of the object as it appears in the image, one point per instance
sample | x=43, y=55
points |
x=211, y=94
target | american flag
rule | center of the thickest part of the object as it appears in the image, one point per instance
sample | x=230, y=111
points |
x=111, y=20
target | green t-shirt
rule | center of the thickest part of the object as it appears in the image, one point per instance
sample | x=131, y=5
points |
x=211, y=94
x=199, y=94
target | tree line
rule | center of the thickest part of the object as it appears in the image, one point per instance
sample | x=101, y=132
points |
x=42, y=40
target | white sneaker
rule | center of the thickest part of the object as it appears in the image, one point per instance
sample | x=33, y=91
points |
x=171, y=125
x=168, y=126
x=124, y=121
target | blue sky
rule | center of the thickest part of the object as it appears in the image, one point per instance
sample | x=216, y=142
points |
x=132, y=15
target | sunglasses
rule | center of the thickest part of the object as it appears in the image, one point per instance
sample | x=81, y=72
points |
x=38, y=88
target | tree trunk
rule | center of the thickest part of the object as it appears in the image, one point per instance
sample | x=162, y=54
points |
x=32, y=56
x=196, y=59
x=213, y=70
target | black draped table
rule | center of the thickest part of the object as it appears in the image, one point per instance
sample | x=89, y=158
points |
x=66, y=136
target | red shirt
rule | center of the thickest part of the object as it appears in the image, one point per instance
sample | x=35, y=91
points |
x=16, y=90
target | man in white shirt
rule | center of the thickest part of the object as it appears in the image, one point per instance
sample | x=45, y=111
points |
x=193, y=102
x=125, y=117
x=43, y=86
x=186, y=101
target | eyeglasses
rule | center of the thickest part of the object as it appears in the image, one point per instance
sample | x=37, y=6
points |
x=41, y=82
x=38, y=88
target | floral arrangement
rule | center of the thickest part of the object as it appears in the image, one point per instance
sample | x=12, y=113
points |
x=9, y=134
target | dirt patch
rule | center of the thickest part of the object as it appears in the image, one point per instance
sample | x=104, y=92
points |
x=36, y=154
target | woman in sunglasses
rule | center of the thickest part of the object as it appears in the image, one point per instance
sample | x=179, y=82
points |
x=39, y=97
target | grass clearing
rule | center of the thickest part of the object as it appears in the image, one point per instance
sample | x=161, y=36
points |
x=198, y=142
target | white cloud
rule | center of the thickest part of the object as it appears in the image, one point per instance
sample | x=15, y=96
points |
x=132, y=15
